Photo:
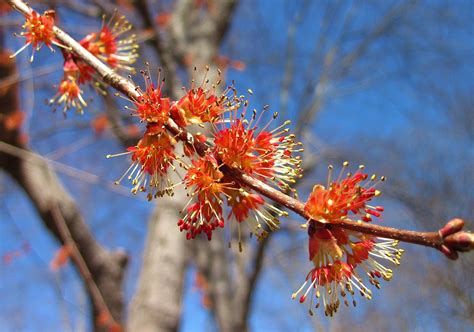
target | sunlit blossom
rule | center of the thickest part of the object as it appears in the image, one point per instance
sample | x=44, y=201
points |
x=203, y=103
x=267, y=155
x=151, y=106
x=344, y=198
x=344, y=260
x=251, y=208
x=204, y=214
x=198, y=106
x=38, y=31
x=112, y=44
x=69, y=93
x=152, y=158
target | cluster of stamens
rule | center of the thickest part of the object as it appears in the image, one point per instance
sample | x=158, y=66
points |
x=231, y=142
x=38, y=31
x=110, y=44
x=343, y=258
x=69, y=93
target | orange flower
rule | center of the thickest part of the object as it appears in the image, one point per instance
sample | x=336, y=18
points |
x=205, y=214
x=150, y=106
x=265, y=155
x=109, y=46
x=197, y=106
x=38, y=30
x=340, y=198
x=151, y=159
x=69, y=93
x=338, y=254
x=252, y=208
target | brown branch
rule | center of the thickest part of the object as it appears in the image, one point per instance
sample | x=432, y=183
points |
x=448, y=245
x=81, y=265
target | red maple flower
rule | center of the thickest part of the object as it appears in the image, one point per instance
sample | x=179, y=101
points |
x=204, y=215
x=151, y=159
x=252, y=208
x=205, y=181
x=109, y=46
x=197, y=106
x=150, y=106
x=338, y=254
x=265, y=155
x=342, y=197
x=38, y=30
x=205, y=177
x=69, y=93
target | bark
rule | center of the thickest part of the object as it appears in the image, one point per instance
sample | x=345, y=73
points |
x=156, y=305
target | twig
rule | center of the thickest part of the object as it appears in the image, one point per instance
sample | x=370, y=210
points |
x=81, y=265
x=63, y=168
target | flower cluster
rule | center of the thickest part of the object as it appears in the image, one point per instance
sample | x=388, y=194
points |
x=110, y=44
x=38, y=31
x=342, y=258
x=69, y=93
x=234, y=141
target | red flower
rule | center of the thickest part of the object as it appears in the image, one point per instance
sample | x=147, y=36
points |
x=151, y=159
x=338, y=254
x=69, y=93
x=197, y=106
x=265, y=155
x=252, y=208
x=340, y=198
x=109, y=46
x=204, y=215
x=336, y=257
x=205, y=177
x=150, y=106
x=38, y=30
x=205, y=180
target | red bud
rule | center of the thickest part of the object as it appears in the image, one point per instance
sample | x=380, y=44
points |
x=451, y=254
x=453, y=226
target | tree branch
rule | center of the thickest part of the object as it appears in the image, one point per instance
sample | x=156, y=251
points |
x=430, y=239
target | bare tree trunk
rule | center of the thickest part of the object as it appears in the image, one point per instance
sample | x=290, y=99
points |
x=156, y=305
